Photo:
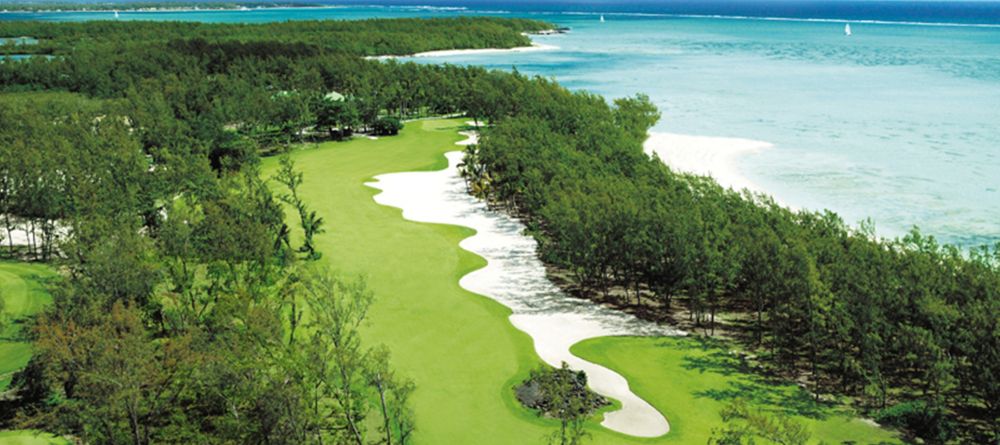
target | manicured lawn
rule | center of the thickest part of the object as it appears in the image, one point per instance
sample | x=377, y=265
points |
x=459, y=348
x=691, y=379
x=24, y=294
x=24, y=437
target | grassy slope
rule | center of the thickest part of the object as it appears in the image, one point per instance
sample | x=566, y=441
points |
x=691, y=379
x=458, y=347
x=21, y=286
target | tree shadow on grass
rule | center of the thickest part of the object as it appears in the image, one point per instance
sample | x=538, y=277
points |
x=742, y=382
x=770, y=397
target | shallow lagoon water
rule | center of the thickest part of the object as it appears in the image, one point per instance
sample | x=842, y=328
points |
x=898, y=122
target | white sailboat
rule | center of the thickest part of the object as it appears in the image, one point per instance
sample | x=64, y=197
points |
x=602, y=18
x=847, y=29
x=116, y=13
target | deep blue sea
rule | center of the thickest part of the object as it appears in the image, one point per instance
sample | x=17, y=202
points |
x=899, y=122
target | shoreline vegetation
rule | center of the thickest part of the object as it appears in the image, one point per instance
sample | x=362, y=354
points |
x=816, y=300
x=185, y=253
x=298, y=39
x=141, y=6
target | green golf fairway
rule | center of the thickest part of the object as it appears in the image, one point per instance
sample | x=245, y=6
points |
x=23, y=295
x=28, y=437
x=458, y=347
x=689, y=380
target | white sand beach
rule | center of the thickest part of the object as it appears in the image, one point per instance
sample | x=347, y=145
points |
x=706, y=155
x=516, y=278
x=473, y=52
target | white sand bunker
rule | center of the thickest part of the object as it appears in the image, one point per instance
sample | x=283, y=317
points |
x=515, y=277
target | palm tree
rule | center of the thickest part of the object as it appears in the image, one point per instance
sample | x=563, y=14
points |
x=473, y=171
x=312, y=224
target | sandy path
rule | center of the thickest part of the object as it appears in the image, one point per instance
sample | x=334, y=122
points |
x=515, y=277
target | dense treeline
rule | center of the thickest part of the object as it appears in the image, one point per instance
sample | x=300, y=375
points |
x=908, y=327
x=186, y=315
x=59, y=5
x=367, y=37
x=180, y=318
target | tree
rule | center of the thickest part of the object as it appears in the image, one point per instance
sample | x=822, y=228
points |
x=348, y=374
x=311, y=222
x=119, y=381
x=339, y=114
x=747, y=427
x=636, y=115
x=387, y=126
x=561, y=393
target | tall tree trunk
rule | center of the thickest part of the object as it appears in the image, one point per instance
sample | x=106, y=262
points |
x=32, y=242
x=10, y=238
x=712, y=321
x=385, y=409
x=638, y=299
x=293, y=322
x=760, y=325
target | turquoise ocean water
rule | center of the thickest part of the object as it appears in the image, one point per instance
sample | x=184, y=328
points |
x=898, y=122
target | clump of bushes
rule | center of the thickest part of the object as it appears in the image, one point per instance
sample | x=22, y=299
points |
x=387, y=126
x=549, y=391
x=561, y=394
x=919, y=418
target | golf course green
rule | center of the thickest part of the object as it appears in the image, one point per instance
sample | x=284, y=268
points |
x=460, y=349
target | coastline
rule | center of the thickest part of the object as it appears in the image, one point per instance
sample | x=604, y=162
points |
x=706, y=156
x=187, y=8
x=470, y=52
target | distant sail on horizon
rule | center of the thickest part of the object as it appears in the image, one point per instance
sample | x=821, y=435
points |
x=602, y=18
x=847, y=29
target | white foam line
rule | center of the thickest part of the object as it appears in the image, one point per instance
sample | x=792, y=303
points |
x=515, y=277
x=776, y=19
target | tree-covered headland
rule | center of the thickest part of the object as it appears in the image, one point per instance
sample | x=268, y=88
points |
x=908, y=329
x=187, y=315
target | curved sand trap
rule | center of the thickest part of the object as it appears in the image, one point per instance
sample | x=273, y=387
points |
x=515, y=277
